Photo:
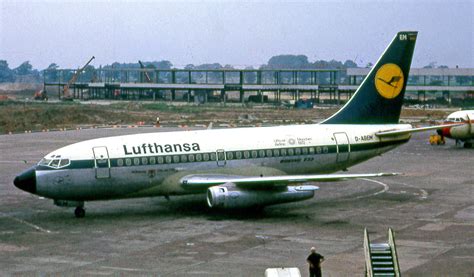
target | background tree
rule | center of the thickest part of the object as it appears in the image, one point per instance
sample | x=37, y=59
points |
x=51, y=73
x=24, y=69
x=287, y=62
x=6, y=74
x=350, y=64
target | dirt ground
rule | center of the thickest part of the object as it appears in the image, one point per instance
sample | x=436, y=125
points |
x=29, y=115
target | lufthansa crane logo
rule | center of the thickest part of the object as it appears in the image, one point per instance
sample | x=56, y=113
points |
x=389, y=80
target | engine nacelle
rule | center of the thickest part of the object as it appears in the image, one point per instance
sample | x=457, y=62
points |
x=228, y=196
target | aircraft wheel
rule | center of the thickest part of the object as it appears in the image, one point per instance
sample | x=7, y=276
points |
x=79, y=212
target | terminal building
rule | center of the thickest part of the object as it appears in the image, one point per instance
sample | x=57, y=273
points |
x=450, y=85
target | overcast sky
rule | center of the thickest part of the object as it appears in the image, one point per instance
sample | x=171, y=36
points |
x=230, y=32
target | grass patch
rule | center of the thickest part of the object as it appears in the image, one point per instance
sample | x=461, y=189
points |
x=20, y=116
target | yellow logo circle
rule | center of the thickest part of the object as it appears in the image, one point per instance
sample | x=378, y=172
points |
x=389, y=80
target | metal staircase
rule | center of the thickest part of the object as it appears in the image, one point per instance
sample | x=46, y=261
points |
x=381, y=258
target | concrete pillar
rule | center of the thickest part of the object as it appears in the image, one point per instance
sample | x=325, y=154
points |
x=223, y=96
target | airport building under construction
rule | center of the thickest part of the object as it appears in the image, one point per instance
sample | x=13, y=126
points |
x=250, y=85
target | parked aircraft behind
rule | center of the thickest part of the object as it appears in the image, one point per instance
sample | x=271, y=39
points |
x=465, y=132
x=236, y=168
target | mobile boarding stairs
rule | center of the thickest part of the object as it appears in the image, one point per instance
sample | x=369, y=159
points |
x=381, y=258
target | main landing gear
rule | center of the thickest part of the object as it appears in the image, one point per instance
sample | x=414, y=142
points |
x=79, y=212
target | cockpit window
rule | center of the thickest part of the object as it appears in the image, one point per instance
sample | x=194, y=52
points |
x=44, y=162
x=57, y=162
x=64, y=162
x=455, y=119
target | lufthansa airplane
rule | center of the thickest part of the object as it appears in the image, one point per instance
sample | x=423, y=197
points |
x=464, y=133
x=236, y=168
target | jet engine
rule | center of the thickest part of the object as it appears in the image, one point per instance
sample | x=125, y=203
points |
x=229, y=196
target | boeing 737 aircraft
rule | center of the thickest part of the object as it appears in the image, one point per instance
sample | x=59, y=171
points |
x=236, y=168
x=463, y=133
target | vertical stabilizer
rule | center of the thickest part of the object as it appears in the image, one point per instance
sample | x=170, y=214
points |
x=379, y=98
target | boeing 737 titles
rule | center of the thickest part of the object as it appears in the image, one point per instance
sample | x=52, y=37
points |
x=242, y=167
x=465, y=132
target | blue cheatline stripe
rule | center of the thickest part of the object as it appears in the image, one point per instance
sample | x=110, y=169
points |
x=230, y=155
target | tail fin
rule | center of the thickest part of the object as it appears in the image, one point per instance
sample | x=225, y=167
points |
x=379, y=98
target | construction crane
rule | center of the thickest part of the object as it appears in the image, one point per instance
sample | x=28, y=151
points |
x=148, y=79
x=66, y=94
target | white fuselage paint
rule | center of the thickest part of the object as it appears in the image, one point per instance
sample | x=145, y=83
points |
x=264, y=150
x=464, y=132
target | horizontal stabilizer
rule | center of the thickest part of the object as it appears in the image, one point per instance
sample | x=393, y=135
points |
x=393, y=133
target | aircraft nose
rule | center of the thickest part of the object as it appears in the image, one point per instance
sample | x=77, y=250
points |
x=26, y=180
x=446, y=132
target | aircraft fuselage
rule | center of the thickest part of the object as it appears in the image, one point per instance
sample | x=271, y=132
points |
x=152, y=164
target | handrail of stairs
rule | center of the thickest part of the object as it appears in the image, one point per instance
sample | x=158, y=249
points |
x=368, y=262
x=391, y=243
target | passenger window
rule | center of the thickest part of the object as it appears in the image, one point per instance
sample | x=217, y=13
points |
x=261, y=153
x=128, y=162
x=297, y=151
x=198, y=157
x=119, y=162
x=269, y=153
x=184, y=158
x=144, y=160
x=160, y=160
x=238, y=155
x=152, y=160
x=254, y=154
x=325, y=149
x=311, y=150
x=304, y=150
x=276, y=152
x=291, y=152
x=136, y=161
x=246, y=154
x=318, y=150
x=213, y=156
x=230, y=155
x=191, y=158
x=168, y=159
x=175, y=159
x=283, y=152
x=205, y=157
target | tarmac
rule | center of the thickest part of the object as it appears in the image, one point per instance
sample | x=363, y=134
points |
x=430, y=207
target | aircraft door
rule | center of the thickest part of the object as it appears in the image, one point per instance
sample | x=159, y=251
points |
x=221, y=158
x=343, y=147
x=101, y=162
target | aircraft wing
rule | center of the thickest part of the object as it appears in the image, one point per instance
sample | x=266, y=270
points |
x=202, y=181
x=392, y=133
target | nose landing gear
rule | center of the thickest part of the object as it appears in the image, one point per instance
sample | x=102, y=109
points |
x=79, y=212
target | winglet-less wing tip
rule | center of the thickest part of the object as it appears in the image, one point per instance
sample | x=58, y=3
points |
x=384, y=174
